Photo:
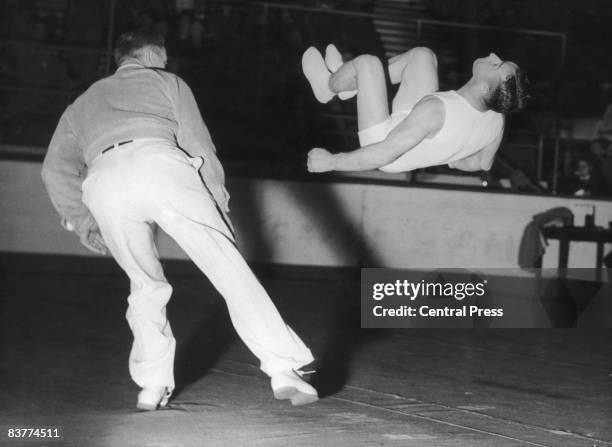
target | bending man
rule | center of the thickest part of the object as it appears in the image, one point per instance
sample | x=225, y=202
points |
x=461, y=128
x=150, y=160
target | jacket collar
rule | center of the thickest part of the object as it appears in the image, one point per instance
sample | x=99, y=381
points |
x=129, y=65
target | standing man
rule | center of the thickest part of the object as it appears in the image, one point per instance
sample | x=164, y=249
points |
x=131, y=152
x=461, y=128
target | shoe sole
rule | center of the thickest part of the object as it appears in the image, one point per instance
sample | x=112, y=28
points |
x=296, y=396
x=146, y=407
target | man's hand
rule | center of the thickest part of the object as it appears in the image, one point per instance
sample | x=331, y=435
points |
x=92, y=239
x=320, y=160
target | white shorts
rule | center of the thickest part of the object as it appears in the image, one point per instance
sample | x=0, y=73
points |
x=380, y=131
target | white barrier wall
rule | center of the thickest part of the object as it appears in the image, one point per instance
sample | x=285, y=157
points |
x=330, y=224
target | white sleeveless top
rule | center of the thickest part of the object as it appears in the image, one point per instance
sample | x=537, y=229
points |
x=465, y=131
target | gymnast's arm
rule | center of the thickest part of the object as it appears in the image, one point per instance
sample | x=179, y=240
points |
x=424, y=121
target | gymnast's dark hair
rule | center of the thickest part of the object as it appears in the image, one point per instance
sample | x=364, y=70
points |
x=128, y=44
x=511, y=95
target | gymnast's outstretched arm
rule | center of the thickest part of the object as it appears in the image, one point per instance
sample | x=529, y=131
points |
x=424, y=121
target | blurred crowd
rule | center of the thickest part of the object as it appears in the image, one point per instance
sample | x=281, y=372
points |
x=587, y=171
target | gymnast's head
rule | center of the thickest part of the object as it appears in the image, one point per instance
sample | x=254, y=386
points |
x=145, y=47
x=505, y=85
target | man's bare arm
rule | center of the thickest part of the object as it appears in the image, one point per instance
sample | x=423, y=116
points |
x=424, y=121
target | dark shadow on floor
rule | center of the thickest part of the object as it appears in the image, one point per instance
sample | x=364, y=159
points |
x=344, y=335
x=566, y=300
x=345, y=338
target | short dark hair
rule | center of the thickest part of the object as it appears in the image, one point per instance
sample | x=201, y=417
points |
x=128, y=44
x=511, y=95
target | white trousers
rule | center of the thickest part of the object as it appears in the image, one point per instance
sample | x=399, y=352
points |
x=131, y=187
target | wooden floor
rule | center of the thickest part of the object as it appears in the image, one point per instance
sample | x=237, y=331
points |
x=65, y=342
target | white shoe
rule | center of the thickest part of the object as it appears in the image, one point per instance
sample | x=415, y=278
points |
x=289, y=385
x=152, y=398
x=333, y=60
x=317, y=74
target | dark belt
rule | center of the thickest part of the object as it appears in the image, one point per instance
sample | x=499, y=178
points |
x=117, y=145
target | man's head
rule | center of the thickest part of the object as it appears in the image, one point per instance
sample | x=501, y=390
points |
x=145, y=47
x=504, y=84
x=583, y=169
x=601, y=147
